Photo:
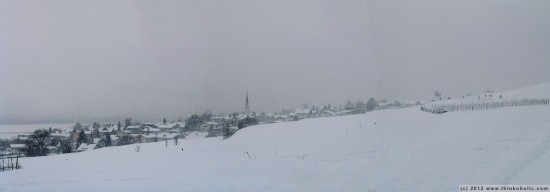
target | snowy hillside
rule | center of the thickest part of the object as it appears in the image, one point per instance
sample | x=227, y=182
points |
x=390, y=150
x=541, y=90
x=533, y=95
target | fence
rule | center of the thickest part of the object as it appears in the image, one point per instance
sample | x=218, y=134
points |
x=481, y=105
x=9, y=163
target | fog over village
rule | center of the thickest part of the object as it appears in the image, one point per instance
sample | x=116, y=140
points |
x=273, y=95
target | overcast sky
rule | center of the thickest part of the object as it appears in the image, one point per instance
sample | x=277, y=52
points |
x=68, y=59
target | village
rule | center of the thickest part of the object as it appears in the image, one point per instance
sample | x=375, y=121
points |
x=85, y=137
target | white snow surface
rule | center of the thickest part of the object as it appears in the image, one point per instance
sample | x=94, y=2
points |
x=389, y=150
x=406, y=150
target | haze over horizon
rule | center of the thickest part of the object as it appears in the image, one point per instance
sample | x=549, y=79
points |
x=148, y=60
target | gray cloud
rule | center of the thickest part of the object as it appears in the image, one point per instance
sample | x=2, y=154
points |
x=94, y=59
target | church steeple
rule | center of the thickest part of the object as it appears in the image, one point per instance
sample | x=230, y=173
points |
x=246, y=105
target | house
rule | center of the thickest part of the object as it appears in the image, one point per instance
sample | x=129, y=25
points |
x=265, y=118
x=244, y=116
x=151, y=138
x=17, y=148
x=22, y=137
x=86, y=147
x=151, y=130
x=147, y=138
x=215, y=130
x=302, y=113
x=134, y=129
x=140, y=138
x=123, y=140
x=206, y=126
x=348, y=112
x=114, y=138
x=327, y=112
x=218, y=119
x=280, y=118
x=170, y=127
x=101, y=142
x=60, y=135
x=91, y=146
x=150, y=125
x=104, y=131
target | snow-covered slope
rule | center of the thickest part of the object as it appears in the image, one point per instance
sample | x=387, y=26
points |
x=528, y=96
x=390, y=150
x=541, y=90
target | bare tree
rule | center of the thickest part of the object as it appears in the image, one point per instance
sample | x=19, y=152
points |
x=437, y=94
x=127, y=122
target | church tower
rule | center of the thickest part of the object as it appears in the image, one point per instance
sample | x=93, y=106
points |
x=247, y=106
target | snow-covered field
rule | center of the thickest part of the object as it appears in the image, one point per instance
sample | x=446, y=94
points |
x=390, y=150
x=9, y=131
x=528, y=96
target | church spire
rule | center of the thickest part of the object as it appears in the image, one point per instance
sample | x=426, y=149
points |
x=246, y=105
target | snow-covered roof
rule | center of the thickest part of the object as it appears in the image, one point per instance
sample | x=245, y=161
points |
x=329, y=109
x=60, y=134
x=151, y=124
x=152, y=129
x=86, y=147
x=280, y=116
x=51, y=147
x=302, y=111
x=133, y=127
x=345, y=112
x=17, y=145
x=328, y=112
x=243, y=116
x=169, y=126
